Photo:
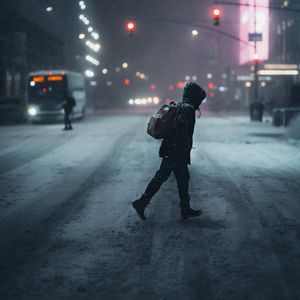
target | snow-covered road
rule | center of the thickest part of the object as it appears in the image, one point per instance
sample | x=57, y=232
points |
x=67, y=230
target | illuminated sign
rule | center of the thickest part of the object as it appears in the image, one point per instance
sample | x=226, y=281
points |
x=281, y=66
x=279, y=72
x=55, y=78
x=247, y=26
x=38, y=79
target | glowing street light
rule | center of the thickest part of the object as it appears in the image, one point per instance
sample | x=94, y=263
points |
x=195, y=32
x=125, y=65
x=89, y=73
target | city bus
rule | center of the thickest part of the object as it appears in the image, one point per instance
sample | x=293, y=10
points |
x=46, y=91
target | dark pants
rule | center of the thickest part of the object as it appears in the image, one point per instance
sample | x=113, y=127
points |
x=67, y=118
x=182, y=176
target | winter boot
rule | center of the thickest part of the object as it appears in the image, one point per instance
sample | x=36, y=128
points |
x=139, y=205
x=187, y=212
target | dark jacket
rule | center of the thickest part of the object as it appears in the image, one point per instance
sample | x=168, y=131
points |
x=69, y=103
x=178, y=145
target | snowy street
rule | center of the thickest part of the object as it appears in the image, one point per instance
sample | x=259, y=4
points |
x=67, y=229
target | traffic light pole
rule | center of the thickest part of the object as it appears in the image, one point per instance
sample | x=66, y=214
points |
x=256, y=107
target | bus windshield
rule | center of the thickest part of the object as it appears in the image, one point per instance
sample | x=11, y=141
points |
x=47, y=87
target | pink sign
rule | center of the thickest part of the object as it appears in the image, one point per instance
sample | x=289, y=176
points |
x=247, y=25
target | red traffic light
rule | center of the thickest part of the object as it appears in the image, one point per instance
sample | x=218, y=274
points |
x=211, y=85
x=126, y=81
x=152, y=86
x=216, y=13
x=256, y=58
x=130, y=27
x=180, y=85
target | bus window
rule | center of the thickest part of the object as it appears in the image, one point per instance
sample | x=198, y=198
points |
x=47, y=87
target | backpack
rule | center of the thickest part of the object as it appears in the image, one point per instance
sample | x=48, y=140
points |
x=161, y=124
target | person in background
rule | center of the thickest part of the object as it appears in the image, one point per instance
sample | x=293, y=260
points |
x=68, y=104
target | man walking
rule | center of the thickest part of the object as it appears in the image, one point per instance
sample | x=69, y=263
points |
x=175, y=152
x=68, y=104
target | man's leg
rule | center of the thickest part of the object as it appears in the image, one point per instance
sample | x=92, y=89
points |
x=160, y=177
x=66, y=118
x=164, y=172
x=182, y=174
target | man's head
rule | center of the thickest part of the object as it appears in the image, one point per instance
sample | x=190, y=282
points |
x=194, y=94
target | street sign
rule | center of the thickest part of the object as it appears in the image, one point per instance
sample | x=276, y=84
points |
x=255, y=37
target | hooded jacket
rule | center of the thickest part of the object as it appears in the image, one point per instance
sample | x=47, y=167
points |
x=177, y=146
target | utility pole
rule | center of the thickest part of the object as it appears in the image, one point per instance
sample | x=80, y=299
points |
x=256, y=59
x=256, y=107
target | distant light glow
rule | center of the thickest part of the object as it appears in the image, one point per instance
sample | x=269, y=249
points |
x=152, y=86
x=89, y=73
x=195, y=32
x=32, y=83
x=92, y=60
x=131, y=101
x=248, y=84
x=216, y=12
x=81, y=36
x=126, y=81
x=130, y=26
x=93, y=83
x=194, y=78
x=278, y=72
x=209, y=76
x=180, y=85
x=91, y=45
x=90, y=29
x=280, y=67
x=95, y=35
x=125, y=65
x=155, y=100
x=32, y=111
x=49, y=9
x=104, y=71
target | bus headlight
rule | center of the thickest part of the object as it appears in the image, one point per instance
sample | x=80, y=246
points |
x=32, y=111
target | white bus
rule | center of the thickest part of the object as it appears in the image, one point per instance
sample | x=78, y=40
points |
x=46, y=91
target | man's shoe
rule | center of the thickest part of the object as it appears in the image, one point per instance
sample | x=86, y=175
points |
x=139, y=205
x=190, y=213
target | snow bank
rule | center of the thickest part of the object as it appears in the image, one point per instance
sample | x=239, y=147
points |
x=293, y=130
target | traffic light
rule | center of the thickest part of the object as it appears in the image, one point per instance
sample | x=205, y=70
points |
x=255, y=58
x=216, y=13
x=152, y=86
x=126, y=81
x=130, y=27
x=211, y=85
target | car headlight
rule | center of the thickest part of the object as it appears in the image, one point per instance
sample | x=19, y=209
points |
x=32, y=111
